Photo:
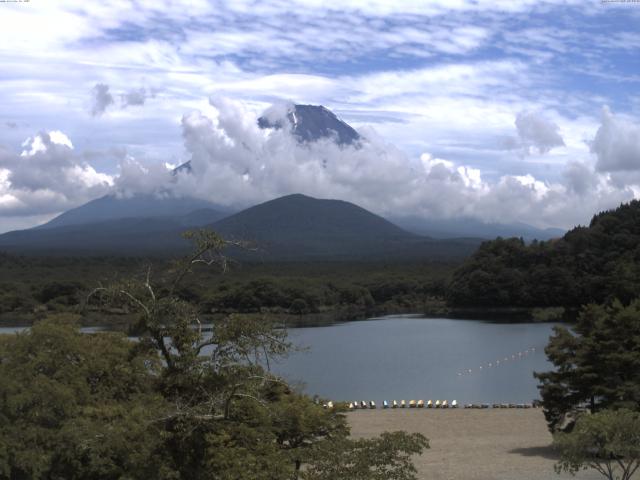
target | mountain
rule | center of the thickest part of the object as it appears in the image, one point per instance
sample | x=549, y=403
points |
x=310, y=123
x=155, y=235
x=112, y=207
x=290, y=228
x=298, y=227
x=470, y=227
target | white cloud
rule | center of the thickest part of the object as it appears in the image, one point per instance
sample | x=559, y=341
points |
x=236, y=163
x=617, y=144
x=47, y=177
x=535, y=133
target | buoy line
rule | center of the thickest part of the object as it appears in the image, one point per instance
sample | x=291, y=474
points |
x=499, y=362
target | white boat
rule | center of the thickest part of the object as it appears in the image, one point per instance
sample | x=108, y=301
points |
x=444, y=404
x=429, y=404
x=454, y=404
x=372, y=404
x=395, y=404
x=329, y=404
x=363, y=404
x=350, y=405
x=420, y=403
x=385, y=404
x=402, y=404
x=437, y=404
x=412, y=404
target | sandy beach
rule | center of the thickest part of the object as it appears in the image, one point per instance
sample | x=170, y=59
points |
x=472, y=444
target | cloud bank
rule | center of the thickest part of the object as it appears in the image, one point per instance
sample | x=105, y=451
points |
x=237, y=164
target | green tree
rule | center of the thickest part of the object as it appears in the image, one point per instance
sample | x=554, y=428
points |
x=607, y=441
x=385, y=458
x=78, y=406
x=229, y=416
x=597, y=362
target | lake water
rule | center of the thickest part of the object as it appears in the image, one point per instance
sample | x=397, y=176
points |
x=408, y=357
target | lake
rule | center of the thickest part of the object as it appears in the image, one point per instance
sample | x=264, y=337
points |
x=410, y=357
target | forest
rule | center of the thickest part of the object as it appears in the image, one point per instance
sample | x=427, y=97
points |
x=303, y=293
x=596, y=263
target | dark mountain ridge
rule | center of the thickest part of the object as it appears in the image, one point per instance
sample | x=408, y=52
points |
x=290, y=228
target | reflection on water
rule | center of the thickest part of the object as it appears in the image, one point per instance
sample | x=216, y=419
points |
x=410, y=357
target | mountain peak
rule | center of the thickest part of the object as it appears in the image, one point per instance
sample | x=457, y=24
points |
x=310, y=123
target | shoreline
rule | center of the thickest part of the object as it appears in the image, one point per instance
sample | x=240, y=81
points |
x=471, y=444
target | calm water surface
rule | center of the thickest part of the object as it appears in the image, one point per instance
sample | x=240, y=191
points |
x=408, y=357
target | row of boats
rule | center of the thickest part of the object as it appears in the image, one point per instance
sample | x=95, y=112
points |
x=404, y=404
x=429, y=404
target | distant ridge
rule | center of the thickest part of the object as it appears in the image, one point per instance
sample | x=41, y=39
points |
x=112, y=207
x=290, y=228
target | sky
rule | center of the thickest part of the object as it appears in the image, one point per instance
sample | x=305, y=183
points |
x=504, y=110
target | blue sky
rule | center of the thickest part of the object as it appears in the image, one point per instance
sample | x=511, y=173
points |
x=500, y=110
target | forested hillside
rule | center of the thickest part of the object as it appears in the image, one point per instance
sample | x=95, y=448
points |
x=589, y=264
